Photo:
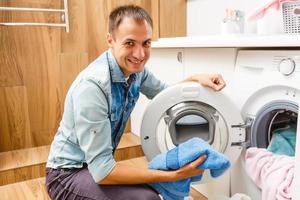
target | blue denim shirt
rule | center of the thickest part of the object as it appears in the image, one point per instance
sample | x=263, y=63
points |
x=97, y=107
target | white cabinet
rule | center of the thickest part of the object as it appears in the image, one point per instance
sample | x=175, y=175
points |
x=168, y=66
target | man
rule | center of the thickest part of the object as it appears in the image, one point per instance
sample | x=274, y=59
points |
x=97, y=107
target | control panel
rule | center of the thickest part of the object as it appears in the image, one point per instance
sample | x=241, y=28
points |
x=286, y=62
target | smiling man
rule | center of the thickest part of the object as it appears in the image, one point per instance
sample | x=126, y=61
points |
x=97, y=107
x=130, y=43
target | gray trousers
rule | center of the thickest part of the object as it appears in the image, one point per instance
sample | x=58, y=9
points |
x=78, y=184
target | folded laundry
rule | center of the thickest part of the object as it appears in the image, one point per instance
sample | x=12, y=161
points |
x=273, y=174
x=181, y=155
x=283, y=141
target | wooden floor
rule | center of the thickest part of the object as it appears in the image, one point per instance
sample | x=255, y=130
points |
x=27, y=190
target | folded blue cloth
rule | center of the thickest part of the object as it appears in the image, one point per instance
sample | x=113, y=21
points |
x=283, y=141
x=181, y=155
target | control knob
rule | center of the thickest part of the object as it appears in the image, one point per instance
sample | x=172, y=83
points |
x=287, y=66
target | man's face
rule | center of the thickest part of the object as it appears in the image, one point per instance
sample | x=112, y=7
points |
x=131, y=45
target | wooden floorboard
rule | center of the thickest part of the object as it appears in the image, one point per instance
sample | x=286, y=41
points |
x=23, y=158
x=28, y=190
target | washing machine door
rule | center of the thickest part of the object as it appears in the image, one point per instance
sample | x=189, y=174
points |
x=188, y=110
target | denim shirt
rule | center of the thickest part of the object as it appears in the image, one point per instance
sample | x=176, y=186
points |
x=97, y=107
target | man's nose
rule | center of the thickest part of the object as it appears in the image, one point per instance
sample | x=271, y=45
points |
x=139, y=53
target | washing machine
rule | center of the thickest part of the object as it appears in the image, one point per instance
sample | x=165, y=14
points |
x=268, y=85
x=262, y=94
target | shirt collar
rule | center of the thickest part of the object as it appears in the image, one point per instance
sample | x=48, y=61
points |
x=115, y=70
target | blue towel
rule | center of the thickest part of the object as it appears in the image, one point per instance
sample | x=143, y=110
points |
x=181, y=155
x=283, y=141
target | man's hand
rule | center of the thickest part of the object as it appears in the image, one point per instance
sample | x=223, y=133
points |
x=213, y=81
x=190, y=169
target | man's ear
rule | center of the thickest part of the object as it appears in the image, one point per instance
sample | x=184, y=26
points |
x=109, y=39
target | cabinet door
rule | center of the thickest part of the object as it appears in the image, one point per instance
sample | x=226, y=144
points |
x=168, y=66
x=172, y=18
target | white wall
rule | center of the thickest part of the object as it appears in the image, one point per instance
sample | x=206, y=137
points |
x=204, y=16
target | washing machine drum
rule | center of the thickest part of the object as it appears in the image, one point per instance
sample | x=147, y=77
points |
x=192, y=119
x=188, y=110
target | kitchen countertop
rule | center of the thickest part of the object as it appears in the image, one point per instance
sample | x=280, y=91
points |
x=224, y=41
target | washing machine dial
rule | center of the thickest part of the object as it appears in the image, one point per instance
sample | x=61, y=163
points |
x=287, y=66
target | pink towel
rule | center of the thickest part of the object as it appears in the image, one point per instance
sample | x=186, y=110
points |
x=273, y=174
x=273, y=4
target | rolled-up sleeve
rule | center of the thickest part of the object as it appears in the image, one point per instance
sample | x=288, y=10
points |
x=93, y=129
x=150, y=85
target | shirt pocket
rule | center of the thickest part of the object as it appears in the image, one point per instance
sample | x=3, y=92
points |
x=114, y=115
x=131, y=103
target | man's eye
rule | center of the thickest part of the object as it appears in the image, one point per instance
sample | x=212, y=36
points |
x=147, y=44
x=129, y=44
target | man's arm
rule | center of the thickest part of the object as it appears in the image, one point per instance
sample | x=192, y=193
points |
x=213, y=81
x=124, y=174
x=92, y=128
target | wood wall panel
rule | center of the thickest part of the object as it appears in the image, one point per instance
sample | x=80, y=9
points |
x=17, y=16
x=10, y=72
x=36, y=53
x=172, y=18
x=14, y=119
x=97, y=15
x=40, y=65
x=76, y=40
x=43, y=137
x=32, y=3
x=155, y=18
x=70, y=66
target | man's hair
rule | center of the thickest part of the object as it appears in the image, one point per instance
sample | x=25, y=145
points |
x=132, y=11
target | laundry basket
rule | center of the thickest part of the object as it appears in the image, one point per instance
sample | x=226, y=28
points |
x=291, y=17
